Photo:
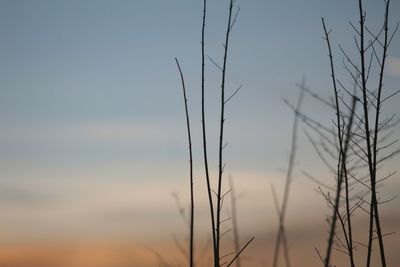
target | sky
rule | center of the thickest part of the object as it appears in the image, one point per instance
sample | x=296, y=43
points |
x=93, y=138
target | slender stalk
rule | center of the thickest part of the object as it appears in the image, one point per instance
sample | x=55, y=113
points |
x=378, y=106
x=203, y=122
x=370, y=235
x=282, y=211
x=281, y=233
x=366, y=129
x=191, y=223
x=240, y=252
x=371, y=150
x=339, y=178
x=236, y=241
x=342, y=170
x=221, y=133
x=349, y=234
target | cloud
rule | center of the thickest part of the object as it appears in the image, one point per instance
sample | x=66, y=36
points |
x=87, y=133
x=393, y=66
x=11, y=195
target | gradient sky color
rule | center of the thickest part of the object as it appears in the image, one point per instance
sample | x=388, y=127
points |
x=92, y=133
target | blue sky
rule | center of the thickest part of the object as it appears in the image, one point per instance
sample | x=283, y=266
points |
x=90, y=97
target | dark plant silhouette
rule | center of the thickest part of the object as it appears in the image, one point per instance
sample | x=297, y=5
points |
x=203, y=123
x=235, y=225
x=215, y=211
x=343, y=149
x=351, y=148
x=359, y=139
x=281, y=237
x=231, y=21
x=191, y=227
x=371, y=101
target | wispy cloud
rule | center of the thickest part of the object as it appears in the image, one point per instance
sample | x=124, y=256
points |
x=91, y=132
x=393, y=66
x=13, y=195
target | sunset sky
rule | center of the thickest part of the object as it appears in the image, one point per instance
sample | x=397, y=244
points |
x=92, y=127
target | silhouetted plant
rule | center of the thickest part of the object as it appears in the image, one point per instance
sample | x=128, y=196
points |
x=356, y=149
x=353, y=143
x=203, y=123
x=235, y=225
x=215, y=211
x=191, y=227
x=281, y=237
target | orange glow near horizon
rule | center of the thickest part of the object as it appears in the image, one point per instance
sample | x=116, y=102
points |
x=77, y=255
x=302, y=242
x=95, y=149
